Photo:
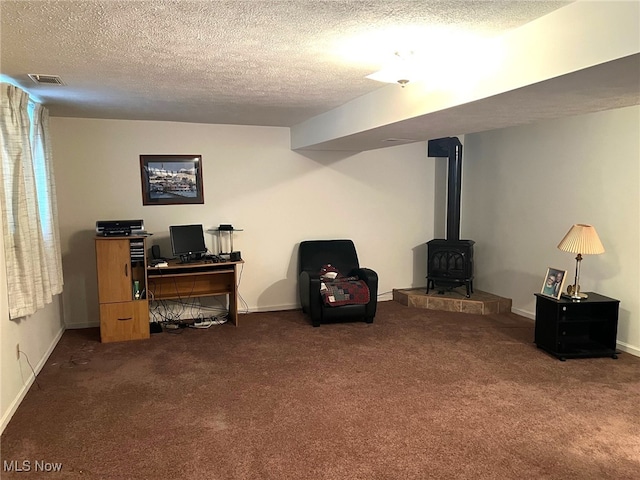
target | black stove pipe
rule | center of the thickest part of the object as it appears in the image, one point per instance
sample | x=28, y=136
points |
x=452, y=148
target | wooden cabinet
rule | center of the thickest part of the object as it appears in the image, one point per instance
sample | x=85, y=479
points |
x=122, y=281
x=572, y=329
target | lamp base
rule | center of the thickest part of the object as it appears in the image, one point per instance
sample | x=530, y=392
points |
x=574, y=293
x=575, y=298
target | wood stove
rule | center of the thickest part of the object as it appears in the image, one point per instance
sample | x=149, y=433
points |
x=450, y=264
x=450, y=260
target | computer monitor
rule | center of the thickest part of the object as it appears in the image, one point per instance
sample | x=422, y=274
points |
x=187, y=242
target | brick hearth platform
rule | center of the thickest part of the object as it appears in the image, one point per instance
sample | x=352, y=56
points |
x=453, y=300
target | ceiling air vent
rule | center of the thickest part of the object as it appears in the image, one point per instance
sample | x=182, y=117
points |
x=46, y=79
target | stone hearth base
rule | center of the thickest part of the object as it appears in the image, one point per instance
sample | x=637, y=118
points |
x=453, y=300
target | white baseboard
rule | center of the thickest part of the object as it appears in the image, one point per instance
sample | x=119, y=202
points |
x=296, y=306
x=25, y=388
x=74, y=326
x=630, y=349
x=524, y=313
x=271, y=308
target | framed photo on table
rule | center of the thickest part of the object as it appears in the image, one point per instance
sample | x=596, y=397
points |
x=171, y=179
x=553, y=282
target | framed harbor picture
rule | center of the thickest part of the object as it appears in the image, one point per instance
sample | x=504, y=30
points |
x=171, y=179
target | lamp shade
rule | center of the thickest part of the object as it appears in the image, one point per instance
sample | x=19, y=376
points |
x=583, y=239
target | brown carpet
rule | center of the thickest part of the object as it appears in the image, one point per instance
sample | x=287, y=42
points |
x=419, y=394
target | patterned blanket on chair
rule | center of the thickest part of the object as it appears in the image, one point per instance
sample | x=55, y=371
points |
x=338, y=290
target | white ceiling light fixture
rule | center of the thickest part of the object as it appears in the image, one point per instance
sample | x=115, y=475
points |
x=402, y=69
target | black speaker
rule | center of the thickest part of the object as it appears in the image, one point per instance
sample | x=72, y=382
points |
x=440, y=147
x=235, y=257
x=155, y=252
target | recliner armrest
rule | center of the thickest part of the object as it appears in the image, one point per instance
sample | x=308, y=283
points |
x=309, y=284
x=308, y=279
x=369, y=276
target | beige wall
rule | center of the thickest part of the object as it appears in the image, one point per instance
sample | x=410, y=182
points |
x=37, y=336
x=523, y=188
x=382, y=199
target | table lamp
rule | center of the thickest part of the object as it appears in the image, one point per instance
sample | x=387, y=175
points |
x=224, y=233
x=583, y=240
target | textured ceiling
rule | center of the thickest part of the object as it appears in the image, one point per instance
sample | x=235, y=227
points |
x=232, y=62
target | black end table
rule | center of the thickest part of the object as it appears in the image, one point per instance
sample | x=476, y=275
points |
x=567, y=328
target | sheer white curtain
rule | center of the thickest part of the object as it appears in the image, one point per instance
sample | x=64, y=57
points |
x=29, y=213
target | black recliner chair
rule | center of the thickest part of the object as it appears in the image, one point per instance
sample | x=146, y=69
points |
x=312, y=256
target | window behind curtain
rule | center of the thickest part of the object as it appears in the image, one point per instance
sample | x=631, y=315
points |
x=29, y=214
x=40, y=173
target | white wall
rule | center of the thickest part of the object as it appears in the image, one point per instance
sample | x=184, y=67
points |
x=523, y=188
x=382, y=199
x=37, y=335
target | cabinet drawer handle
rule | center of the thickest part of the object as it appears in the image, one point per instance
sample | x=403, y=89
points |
x=564, y=309
x=125, y=319
x=126, y=269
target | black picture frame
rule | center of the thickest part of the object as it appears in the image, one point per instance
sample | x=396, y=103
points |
x=171, y=179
